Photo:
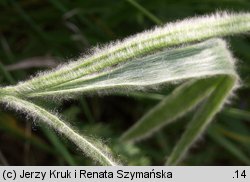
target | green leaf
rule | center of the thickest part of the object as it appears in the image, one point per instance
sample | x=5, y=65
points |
x=145, y=61
x=70, y=78
x=202, y=118
x=182, y=100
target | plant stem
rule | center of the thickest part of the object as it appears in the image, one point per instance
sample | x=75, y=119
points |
x=88, y=147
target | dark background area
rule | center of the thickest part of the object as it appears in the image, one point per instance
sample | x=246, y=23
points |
x=37, y=35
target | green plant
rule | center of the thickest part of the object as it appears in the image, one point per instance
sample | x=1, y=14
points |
x=168, y=54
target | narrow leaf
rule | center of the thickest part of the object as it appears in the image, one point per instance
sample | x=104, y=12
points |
x=102, y=60
x=188, y=95
x=202, y=118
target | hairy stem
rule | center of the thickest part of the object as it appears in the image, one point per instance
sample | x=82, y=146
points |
x=99, y=154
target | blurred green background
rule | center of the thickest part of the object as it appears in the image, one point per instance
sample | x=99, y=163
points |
x=37, y=35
